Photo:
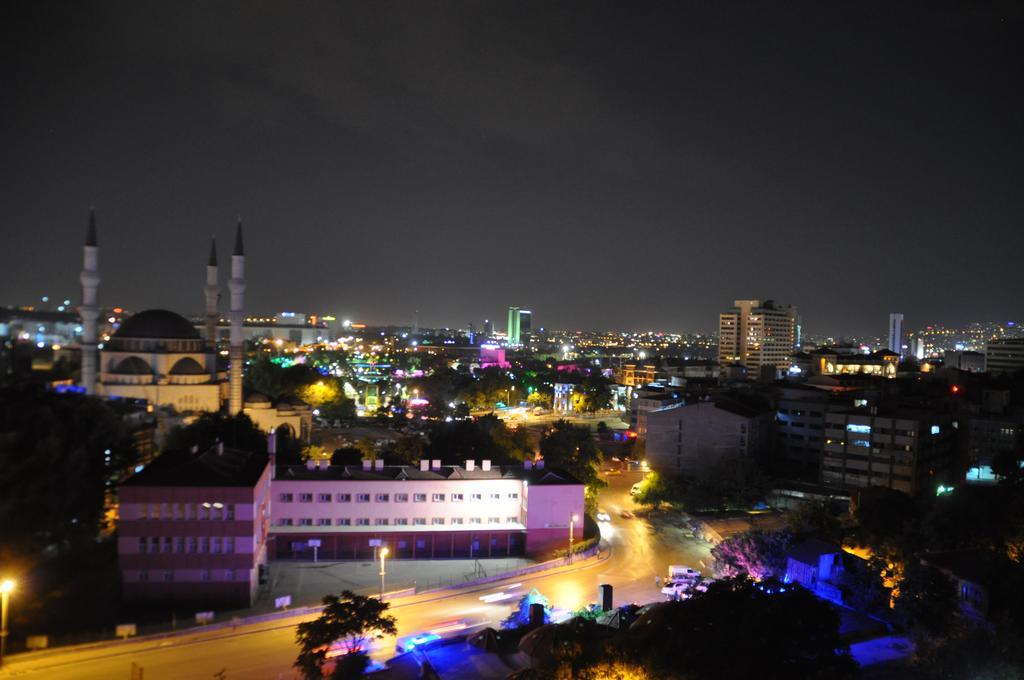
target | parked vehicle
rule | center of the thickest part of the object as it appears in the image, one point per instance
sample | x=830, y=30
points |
x=680, y=572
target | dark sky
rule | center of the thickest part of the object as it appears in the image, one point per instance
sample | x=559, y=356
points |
x=611, y=166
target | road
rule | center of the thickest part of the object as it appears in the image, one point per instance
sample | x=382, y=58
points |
x=267, y=650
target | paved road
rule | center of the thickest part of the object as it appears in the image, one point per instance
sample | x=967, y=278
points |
x=267, y=650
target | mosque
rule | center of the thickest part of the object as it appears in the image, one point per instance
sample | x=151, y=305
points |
x=158, y=356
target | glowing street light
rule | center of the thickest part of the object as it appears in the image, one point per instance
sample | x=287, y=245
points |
x=5, y=591
x=383, y=554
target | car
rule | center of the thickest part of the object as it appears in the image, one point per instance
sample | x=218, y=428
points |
x=626, y=514
x=613, y=471
x=410, y=643
x=603, y=516
x=678, y=572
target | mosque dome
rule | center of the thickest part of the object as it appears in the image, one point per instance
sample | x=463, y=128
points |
x=157, y=324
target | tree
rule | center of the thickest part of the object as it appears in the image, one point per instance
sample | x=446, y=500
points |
x=815, y=519
x=926, y=600
x=406, y=451
x=863, y=586
x=757, y=554
x=572, y=448
x=57, y=455
x=520, y=616
x=741, y=629
x=349, y=622
x=538, y=398
x=237, y=432
x=654, y=490
x=884, y=515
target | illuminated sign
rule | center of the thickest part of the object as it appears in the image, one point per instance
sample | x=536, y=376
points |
x=863, y=429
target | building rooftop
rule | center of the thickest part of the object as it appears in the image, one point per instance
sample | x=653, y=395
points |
x=811, y=550
x=535, y=476
x=216, y=467
x=157, y=324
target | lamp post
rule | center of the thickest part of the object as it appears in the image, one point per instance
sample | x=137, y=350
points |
x=5, y=590
x=572, y=522
x=383, y=554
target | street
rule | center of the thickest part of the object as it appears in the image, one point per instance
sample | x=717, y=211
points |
x=267, y=650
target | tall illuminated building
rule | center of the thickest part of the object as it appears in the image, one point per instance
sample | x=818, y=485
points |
x=512, y=333
x=896, y=333
x=756, y=334
x=525, y=325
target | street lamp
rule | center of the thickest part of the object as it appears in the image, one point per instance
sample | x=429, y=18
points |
x=572, y=523
x=5, y=590
x=383, y=554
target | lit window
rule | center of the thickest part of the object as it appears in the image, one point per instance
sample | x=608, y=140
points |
x=215, y=545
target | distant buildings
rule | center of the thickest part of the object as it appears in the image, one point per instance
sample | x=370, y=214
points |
x=755, y=335
x=896, y=333
x=834, y=361
x=525, y=326
x=512, y=328
x=973, y=362
x=1004, y=356
x=690, y=438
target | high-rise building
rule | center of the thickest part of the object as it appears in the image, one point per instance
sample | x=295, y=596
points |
x=896, y=333
x=525, y=325
x=488, y=329
x=1004, y=356
x=756, y=334
x=512, y=333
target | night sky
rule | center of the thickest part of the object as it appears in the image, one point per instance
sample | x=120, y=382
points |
x=611, y=166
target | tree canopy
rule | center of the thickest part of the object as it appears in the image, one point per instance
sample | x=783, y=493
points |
x=349, y=622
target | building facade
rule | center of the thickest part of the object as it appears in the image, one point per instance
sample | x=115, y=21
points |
x=1004, y=356
x=425, y=512
x=755, y=334
x=896, y=333
x=512, y=329
x=903, y=449
x=689, y=438
x=196, y=527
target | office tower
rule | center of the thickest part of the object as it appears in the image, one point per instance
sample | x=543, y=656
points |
x=488, y=329
x=756, y=334
x=1004, y=356
x=525, y=325
x=919, y=348
x=513, y=326
x=896, y=333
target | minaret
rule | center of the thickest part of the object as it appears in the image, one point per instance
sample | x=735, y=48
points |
x=237, y=356
x=212, y=298
x=89, y=309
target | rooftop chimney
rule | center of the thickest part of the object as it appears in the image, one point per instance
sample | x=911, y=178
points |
x=435, y=464
x=367, y=464
x=424, y=465
x=527, y=464
x=485, y=465
x=470, y=465
x=378, y=464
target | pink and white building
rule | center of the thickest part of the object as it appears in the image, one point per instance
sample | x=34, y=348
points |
x=196, y=527
x=423, y=512
x=204, y=526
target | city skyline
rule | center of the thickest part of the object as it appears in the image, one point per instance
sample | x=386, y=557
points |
x=514, y=164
